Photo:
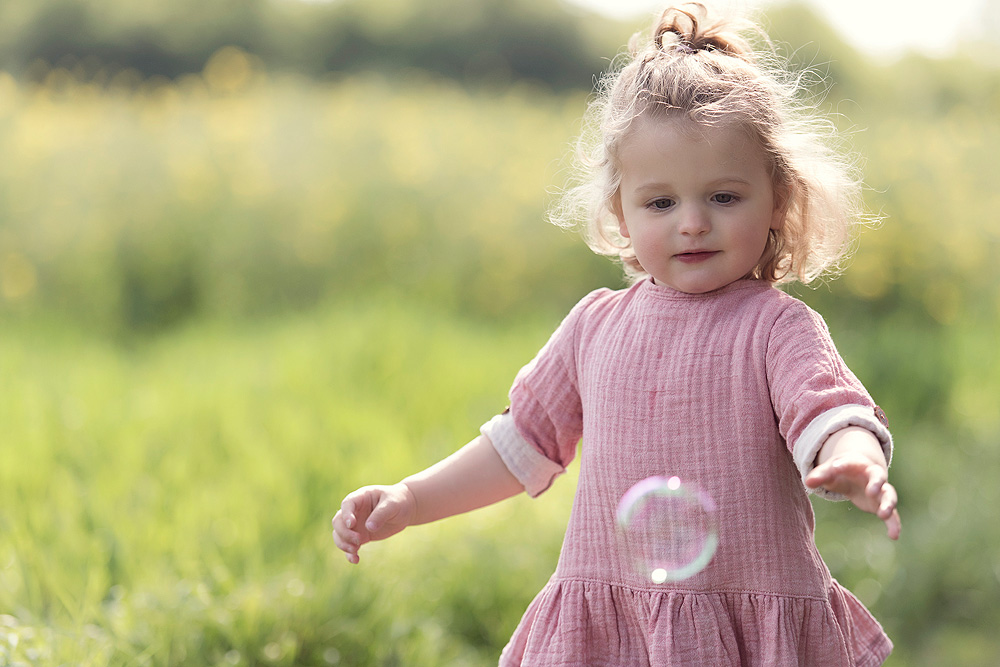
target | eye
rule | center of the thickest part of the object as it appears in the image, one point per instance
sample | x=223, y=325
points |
x=661, y=204
x=725, y=198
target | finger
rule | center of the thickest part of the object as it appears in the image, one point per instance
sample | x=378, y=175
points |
x=350, y=552
x=346, y=540
x=819, y=475
x=350, y=549
x=342, y=527
x=348, y=510
x=894, y=525
x=888, y=501
x=814, y=478
x=833, y=469
x=343, y=536
x=836, y=476
x=877, y=479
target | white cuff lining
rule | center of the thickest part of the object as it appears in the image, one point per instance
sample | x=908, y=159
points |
x=527, y=464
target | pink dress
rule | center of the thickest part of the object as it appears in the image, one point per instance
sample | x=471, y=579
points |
x=734, y=390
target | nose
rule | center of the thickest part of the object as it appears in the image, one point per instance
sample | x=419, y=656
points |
x=694, y=221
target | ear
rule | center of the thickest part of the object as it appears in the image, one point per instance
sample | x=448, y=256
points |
x=616, y=208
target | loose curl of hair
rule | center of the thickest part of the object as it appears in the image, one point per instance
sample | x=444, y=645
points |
x=700, y=67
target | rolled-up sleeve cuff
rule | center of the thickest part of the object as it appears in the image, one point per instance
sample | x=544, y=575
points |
x=535, y=472
x=809, y=444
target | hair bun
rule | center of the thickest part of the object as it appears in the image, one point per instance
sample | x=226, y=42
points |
x=689, y=28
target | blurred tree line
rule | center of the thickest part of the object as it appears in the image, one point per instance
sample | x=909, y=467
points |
x=489, y=41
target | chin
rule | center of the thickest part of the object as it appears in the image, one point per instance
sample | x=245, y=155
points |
x=691, y=286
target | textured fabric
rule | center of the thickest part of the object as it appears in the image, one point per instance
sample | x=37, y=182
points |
x=716, y=389
x=536, y=473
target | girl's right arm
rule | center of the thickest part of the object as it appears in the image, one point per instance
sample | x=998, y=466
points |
x=473, y=477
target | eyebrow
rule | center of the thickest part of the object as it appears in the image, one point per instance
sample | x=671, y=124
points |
x=655, y=186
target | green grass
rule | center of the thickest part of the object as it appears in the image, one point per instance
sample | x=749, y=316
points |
x=170, y=503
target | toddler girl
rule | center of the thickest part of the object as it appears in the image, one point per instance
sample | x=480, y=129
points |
x=711, y=189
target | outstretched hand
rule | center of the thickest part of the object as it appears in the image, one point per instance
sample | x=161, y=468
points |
x=475, y=476
x=864, y=482
x=372, y=513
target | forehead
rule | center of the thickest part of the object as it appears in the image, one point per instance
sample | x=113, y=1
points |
x=670, y=141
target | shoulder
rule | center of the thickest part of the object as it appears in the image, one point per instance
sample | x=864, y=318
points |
x=797, y=331
x=776, y=321
x=591, y=314
x=796, y=315
x=764, y=294
x=780, y=309
x=602, y=302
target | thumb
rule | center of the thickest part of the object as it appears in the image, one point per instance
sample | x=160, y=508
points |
x=385, y=510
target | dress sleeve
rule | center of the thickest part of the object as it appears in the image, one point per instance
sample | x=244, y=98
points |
x=535, y=472
x=545, y=412
x=813, y=392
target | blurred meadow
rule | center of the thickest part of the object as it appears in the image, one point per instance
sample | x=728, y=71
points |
x=256, y=254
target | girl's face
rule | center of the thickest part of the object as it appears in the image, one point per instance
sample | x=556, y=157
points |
x=696, y=201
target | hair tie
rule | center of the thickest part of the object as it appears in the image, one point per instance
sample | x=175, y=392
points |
x=673, y=42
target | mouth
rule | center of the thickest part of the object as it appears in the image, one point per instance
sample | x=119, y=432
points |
x=695, y=256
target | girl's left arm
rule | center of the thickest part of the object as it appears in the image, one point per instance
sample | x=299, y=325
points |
x=851, y=462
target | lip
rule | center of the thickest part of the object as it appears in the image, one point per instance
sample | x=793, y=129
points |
x=695, y=256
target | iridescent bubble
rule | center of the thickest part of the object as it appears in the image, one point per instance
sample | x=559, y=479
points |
x=667, y=528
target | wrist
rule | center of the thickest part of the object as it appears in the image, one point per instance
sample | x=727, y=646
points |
x=409, y=498
x=853, y=441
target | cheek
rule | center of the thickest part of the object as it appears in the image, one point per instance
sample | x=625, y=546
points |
x=758, y=243
x=750, y=238
x=648, y=243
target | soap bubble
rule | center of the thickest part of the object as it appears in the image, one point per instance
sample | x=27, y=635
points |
x=667, y=528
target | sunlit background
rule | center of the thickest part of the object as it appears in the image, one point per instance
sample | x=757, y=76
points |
x=256, y=253
x=879, y=28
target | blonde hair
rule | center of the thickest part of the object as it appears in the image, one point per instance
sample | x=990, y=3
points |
x=700, y=67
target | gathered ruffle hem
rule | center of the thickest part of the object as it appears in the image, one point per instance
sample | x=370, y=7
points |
x=574, y=622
